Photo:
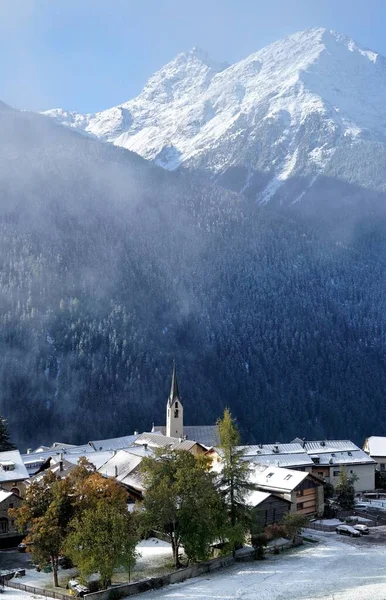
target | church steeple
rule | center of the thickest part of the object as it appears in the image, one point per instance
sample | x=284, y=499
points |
x=174, y=394
x=174, y=409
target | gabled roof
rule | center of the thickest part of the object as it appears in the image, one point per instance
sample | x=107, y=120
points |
x=375, y=445
x=207, y=435
x=336, y=452
x=4, y=495
x=95, y=458
x=114, y=443
x=277, y=479
x=156, y=440
x=279, y=455
x=18, y=473
x=120, y=465
x=256, y=497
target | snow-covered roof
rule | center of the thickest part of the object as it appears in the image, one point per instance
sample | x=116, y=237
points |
x=277, y=479
x=375, y=445
x=279, y=455
x=156, y=440
x=120, y=465
x=265, y=449
x=4, y=495
x=114, y=443
x=98, y=459
x=12, y=467
x=338, y=452
x=256, y=497
x=281, y=460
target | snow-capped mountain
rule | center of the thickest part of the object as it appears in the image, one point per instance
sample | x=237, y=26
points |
x=269, y=124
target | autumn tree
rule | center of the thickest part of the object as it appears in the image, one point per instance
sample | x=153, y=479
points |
x=234, y=480
x=46, y=512
x=182, y=502
x=54, y=508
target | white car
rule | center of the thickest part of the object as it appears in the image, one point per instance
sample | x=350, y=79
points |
x=363, y=529
x=347, y=530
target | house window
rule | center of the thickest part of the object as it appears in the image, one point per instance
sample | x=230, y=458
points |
x=300, y=505
x=176, y=413
x=320, y=473
x=11, y=505
x=269, y=475
x=287, y=477
x=176, y=405
x=382, y=466
x=16, y=490
x=336, y=473
x=300, y=493
x=3, y=526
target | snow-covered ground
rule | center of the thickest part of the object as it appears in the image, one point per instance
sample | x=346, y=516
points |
x=11, y=594
x=334, y=569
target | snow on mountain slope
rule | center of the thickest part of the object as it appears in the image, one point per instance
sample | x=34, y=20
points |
x=280, y=114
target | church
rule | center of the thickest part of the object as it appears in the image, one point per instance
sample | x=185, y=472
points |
x=175, y=428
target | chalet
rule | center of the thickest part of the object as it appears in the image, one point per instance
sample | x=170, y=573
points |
x=330, y=457
x=207, y=435
x=13, y=473
x=303, y=490
x=267, y=508
x=8, y=533
x=375, y=448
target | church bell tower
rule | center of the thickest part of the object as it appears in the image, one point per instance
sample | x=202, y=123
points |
x=174, y=410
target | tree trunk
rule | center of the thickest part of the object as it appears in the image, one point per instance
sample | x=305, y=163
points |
x=175, y=548
x=54, y=563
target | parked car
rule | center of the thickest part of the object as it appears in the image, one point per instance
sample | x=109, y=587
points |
x=363, y=529
x=347, y=530
x=78, y=589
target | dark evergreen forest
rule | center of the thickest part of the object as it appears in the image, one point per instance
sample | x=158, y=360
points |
x=110, y=268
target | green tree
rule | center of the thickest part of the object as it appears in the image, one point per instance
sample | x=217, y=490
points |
x=345, y=491
x=293, y=523
x=182, y=502
x=102, y=538
x=5, y=442
x=234, y=480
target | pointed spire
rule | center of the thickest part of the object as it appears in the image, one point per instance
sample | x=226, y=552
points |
x=174, y=393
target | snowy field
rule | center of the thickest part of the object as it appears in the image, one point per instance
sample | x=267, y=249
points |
x=334, y=569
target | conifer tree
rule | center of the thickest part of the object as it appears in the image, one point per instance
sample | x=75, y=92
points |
x=234, y=480
x=5, y=442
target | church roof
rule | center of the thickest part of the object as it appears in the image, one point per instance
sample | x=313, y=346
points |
x=207, y=435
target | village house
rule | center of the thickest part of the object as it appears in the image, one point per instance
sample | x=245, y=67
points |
x=8, y=533
x=267, y=508
x=302, y=489
x=330, y=457
x=13, y=473
x=375, y=447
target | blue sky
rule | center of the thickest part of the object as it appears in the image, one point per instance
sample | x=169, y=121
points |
x=88, y=55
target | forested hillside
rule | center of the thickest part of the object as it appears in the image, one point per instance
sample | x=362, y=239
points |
x=110, y=268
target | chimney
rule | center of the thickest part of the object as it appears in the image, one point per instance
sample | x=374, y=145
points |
x=61, y=462
x=29, y=450
x=145, y=446
x=135, y=432
x=116, y=470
